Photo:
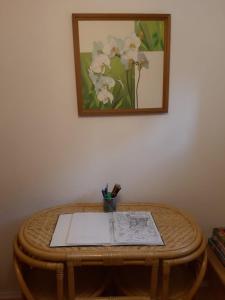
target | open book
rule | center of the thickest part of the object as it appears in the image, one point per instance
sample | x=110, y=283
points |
x=116, y=228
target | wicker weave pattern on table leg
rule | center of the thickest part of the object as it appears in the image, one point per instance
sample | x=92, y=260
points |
x=21, y=258
x=179, y=278
x=199, y=257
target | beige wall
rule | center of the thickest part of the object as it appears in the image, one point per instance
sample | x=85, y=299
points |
x=50, y=156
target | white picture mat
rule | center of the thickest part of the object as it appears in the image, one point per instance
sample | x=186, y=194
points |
x=150, y=89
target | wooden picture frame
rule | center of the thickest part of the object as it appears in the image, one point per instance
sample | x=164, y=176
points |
x=121, y=63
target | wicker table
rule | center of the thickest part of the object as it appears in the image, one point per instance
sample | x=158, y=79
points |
x=182, y=237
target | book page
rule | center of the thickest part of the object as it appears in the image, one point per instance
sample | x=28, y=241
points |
x=61, y=231
x=135, y=228
x=90, y=228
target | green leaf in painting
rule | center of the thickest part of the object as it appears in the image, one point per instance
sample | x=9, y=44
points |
x=151, y=34
x=124, y=88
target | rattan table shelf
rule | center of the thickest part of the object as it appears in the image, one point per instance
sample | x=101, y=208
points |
x=181, y=235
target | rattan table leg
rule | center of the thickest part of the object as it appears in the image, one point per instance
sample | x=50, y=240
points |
x=154, y=279
x=165, y=281
x=71, y=284
x=59, y=282
x=200, y=276
x=200, y=256
x=26, y=294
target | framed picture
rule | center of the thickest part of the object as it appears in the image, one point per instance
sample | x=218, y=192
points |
x=121, y=63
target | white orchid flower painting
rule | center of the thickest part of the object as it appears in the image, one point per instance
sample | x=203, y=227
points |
x=122, y=63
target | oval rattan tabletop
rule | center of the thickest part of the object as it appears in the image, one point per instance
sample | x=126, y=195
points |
x=179, y=232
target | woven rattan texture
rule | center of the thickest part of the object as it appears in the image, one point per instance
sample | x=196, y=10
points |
x=180, y=234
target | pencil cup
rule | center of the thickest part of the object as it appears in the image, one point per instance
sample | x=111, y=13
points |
x=109, y=205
